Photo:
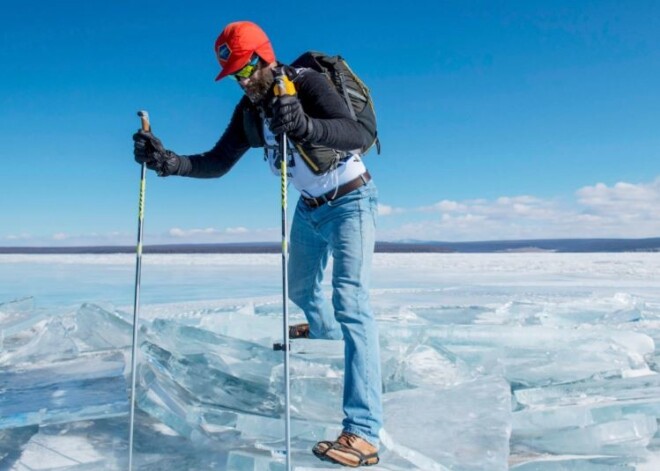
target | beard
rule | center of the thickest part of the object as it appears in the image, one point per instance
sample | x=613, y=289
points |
x=258, y=87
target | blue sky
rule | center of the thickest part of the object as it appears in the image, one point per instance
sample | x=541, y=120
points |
x=498, y=120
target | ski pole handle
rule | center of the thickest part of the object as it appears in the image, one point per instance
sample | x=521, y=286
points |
x=284, y=86
x=144, y=118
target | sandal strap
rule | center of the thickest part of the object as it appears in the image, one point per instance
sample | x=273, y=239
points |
x=328, y=443
x=362, y=458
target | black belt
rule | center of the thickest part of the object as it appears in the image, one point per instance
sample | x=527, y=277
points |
x=344, y=189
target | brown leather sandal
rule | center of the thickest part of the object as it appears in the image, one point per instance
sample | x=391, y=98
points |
x=299, y=331
x=348, y=450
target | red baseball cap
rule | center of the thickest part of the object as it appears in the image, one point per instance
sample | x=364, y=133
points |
x=236, y=44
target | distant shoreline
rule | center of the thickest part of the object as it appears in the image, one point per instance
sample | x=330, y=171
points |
x=503, y=246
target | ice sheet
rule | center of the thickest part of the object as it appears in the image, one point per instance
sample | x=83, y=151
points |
x=567, y=341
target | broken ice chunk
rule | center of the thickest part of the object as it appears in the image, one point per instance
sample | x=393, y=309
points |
x=97, y=328
x=18, y=315
x=165, y=400
x=47, y=340
x=626, y=437
x=91, y=386
x=471, y=425
x=535, y=355
x=419, y=366
x=593, y=392
x=596, y=416
x=209, y=381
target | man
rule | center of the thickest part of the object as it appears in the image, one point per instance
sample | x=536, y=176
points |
x=335, y=215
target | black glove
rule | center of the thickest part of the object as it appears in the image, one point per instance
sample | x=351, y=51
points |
x=150, y=151
x=289, y=117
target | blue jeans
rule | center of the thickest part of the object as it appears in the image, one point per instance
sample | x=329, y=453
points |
x=345, y=229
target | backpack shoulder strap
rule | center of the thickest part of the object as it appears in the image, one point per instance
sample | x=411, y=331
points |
x=288, y=70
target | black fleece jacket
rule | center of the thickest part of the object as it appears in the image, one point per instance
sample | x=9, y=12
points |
x=333, y=127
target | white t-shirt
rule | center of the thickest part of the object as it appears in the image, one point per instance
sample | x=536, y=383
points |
x=302, y=177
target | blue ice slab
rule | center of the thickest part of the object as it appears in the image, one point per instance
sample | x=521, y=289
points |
x=165, y=400
x=171, y=404
x=97, y=328
x=32, y=336
x=626, y=436
x=47, y=340
x=599, y=416
x=191, y=373
x=18, y=315
x=539, y=355
x=243, y=376
x=215, y=369
x=89, y=387
x=228, y=354
x=595, y=392
x=209, y=386
x=409, y=363
x=465, y=427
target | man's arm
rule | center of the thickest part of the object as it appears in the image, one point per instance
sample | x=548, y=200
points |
x=332, y=124
x=222, y=157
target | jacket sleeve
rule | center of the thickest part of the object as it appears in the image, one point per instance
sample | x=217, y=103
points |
x=332, y=124
x=221, y=158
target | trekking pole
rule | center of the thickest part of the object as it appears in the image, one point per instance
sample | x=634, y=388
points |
x=285, y=87
x=144, y=117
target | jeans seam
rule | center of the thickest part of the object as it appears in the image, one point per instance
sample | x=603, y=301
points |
x=360, y=307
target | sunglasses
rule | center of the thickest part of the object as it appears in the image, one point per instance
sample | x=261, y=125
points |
x=247, y=71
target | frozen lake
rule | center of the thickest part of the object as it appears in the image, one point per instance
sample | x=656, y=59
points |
x=526, y=361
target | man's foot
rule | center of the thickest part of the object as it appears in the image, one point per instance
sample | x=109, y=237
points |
x=299, y=331
x=347, y=450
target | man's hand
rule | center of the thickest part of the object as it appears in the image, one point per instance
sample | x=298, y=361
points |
x=150, y=151
x=289, y=117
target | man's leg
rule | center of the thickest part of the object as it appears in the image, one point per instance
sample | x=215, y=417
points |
x=308, y=258
x=350, y=230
